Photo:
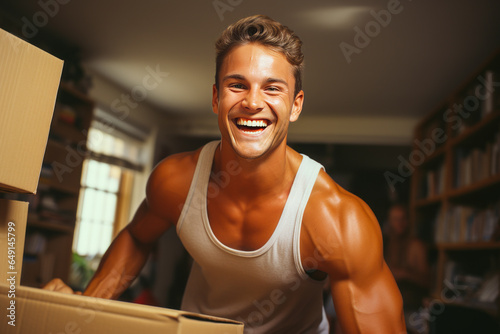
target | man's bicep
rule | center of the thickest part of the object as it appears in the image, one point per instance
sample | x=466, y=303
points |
x=147, y=226
x=161, y=207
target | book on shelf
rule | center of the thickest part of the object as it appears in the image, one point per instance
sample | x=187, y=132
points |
x=439, y=223
x=453, y=290
x=489, y=94
x=434, y=182
x=478, y=163
x=437, y=178
x=466, y=224
x=460, y=285
x=480, y=99
x=488, y=292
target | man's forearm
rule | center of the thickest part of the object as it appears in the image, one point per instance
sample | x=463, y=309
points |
x=120, y=265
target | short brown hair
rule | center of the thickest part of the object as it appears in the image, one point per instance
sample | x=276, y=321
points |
x=264, y=30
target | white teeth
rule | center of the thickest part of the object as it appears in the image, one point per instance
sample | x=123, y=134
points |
x=251, y=123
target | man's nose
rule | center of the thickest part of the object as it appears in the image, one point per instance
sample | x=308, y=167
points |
x=253, y=101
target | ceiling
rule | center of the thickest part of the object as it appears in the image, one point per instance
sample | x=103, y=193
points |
x=408, y=65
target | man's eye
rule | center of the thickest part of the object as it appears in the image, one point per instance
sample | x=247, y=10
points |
x=273, y=89
x=237, y=86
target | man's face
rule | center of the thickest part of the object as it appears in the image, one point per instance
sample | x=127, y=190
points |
x=255, y=101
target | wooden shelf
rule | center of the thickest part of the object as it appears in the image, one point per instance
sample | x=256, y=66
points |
x=60, y=186
x=70, y=133
x=459, y=246
x=50, y=226
x=68, y=88
x=470, y=210
x=488, y=307
x=479, y=130
x=429, y=202
x=473, y=190
x=434, y=157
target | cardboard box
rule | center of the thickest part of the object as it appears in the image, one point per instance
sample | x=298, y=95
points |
x=40, y=311
x=13, y=215
x=29, y=82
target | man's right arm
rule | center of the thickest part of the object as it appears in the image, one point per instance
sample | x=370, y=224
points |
x=166, y=191
x=126, y=256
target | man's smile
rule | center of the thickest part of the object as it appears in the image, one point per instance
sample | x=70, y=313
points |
x=251, y=126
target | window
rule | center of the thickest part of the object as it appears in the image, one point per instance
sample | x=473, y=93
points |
x=97, y=208
x=105, y=188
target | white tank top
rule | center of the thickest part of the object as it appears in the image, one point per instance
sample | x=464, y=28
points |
x=267, y=289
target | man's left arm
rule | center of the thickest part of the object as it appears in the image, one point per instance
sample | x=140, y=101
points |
x=347, y=236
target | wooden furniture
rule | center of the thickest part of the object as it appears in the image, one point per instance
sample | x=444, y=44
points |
x=455, y=190
x=52, y=214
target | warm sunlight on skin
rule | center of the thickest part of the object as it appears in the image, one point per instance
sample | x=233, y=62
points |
x=255, y=103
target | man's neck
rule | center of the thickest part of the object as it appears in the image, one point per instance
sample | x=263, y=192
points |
x=255, y=177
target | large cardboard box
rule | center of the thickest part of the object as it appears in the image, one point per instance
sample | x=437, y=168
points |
x=29, y=80
x=43, y=312
x=13, y=215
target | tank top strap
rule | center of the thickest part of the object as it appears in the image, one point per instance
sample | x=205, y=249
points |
x=302, y=185
x=305, y=180
x=200, y=180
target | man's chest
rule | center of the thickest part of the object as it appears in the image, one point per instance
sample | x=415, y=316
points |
x=244, y=224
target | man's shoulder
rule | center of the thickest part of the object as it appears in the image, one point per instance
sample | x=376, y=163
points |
x=169, y=182
x=332, y=208
x=328, y=193
x=175, y=163
x=341, y=227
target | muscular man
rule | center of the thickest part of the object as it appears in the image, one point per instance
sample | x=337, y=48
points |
x=265, y=225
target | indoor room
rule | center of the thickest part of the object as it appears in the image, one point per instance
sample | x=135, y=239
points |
x=373, y=128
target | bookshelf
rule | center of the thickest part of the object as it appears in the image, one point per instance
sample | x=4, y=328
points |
x=455, y=190
x=52, y=213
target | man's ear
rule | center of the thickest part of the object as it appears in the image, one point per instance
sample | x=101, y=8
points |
x=297, y=106
x=215, y=99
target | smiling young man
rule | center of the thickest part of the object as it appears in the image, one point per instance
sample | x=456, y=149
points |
x=265, y=240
